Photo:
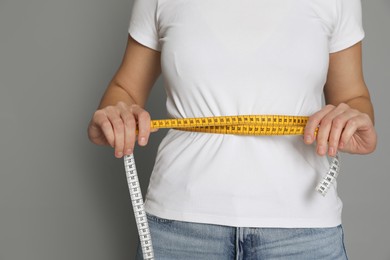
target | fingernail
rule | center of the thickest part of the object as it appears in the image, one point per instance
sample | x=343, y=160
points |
x=142, y=141
x=119, y=154
x=331, y=151
x=128, y=151
x=321, y=150
x=307, y=138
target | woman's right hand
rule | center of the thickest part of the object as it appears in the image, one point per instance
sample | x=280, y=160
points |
x=116, y=126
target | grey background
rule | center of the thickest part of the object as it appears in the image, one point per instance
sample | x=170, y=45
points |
x=62, y=197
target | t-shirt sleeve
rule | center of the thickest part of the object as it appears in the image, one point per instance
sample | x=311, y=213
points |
x=348, y=29
x=143, y=23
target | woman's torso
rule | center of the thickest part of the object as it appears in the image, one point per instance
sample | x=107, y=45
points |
x=232, y=58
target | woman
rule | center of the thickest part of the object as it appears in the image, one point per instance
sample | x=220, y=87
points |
x=214, y=196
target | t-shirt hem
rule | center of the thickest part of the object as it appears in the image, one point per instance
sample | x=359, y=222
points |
x=238, y=221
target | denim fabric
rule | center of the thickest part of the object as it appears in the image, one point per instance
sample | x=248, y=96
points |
x=174, y=239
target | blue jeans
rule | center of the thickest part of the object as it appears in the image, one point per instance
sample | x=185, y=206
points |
x=174, y=239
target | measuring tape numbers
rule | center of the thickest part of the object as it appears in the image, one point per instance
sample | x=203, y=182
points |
x=138, y=207
x=237, y=125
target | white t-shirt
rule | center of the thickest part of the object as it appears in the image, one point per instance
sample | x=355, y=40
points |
x=225, y=57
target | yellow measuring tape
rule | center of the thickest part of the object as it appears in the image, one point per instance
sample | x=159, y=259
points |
x=238, y=125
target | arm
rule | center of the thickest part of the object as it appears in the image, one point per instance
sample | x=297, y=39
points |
x=121, y=107
x=346, y=123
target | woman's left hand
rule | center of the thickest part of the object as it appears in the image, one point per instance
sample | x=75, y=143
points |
x=341, y=128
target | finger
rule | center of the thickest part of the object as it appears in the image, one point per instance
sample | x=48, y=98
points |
x=349, y=130
x=118, y=126
x=313, y=123
x=104, y=125
x=143, y=119
x=338, y=124
x=325, y=128
x=129, y=129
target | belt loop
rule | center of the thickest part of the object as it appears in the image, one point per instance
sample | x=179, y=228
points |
x=239, y=241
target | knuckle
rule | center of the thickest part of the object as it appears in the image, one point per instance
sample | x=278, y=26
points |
x=354, y=112
x=106, y=124
x=326, y=121
x=343, y=105
x=330, y=106
x=98, y=114
x=352, y=122
x=119, y=141
x=121, y=104
x=134, y=107
x=144, y=115
x=338, y=122
x=311, y=122
x=129, y=140
x=323, y=134
x=322, y=137
x=118, y=123
x=322, y=142
x=366, y=117
x=130, y=121
x=310, y=128
x=111, y=110
x=126, y=116
x=333, y=140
